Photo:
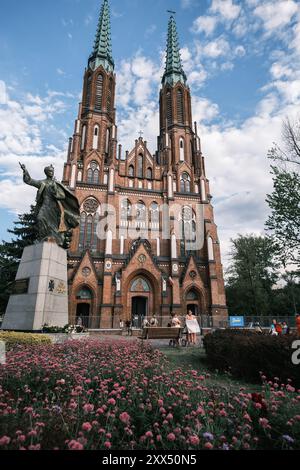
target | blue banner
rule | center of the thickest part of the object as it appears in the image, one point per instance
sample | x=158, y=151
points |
x=237, y=322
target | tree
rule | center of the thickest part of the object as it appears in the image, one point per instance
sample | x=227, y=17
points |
x=251, y=275
x=25, y=234
x=284, y=202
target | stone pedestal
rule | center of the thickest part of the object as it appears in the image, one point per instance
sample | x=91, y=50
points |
x=40, y=294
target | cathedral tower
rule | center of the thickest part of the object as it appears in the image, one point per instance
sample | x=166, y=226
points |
x=147, y=241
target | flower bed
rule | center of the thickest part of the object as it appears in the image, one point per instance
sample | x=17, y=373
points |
x=120, y=395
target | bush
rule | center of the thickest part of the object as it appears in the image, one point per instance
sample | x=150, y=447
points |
x=11, y=338
x=246, y=353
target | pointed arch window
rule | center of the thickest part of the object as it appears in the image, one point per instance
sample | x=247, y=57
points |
x=96, y=137
x=88, y=92
x=131, y=171
x=140, y=285
x=140, y=166
x=180, y=108
x=89, y=219
x=210, y=247
x=185, y=183
x=141, y=211
x=93, y=173
x=84, y=294
x=188, y=229
x=126, y=209
x=169, y=107
x=149, y=174
x=99, y=93
x=82, y=229
x=154, y=212
x=181, y=149
x=83, y=137
x=109, y=95
x=107, y=142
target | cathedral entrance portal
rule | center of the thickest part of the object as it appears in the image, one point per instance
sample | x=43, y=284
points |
x=83, y=313
x=140, y=300
x=139, y=311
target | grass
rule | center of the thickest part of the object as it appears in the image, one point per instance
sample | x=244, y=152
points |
x=195, y=358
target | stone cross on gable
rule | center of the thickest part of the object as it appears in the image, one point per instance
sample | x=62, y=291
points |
x=141, y=134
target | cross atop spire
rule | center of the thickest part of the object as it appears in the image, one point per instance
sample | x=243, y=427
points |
x=173, y=71
x=102, y=53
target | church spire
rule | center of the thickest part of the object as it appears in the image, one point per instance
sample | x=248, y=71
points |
x=173, y=71
x=102, y=53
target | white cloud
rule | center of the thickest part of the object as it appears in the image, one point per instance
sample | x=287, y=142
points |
x=276, y=14
x=187, y=3
x=279, y=70
x=3, y=93
x=218, y=47
x=21, y=127
x=203, y=109
x=60, y=71
x=206, y=24
x=226, y=8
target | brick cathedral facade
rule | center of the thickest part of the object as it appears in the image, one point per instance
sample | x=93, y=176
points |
x=147, y=241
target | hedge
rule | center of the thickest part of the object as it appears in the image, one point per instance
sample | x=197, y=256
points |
x=11, y=338
x=247, y=353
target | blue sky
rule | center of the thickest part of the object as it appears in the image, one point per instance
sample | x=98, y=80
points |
x=242, y=63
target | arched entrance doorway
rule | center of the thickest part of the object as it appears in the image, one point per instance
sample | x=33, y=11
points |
x=84, y=299
x=193, y=302
x=140, y=300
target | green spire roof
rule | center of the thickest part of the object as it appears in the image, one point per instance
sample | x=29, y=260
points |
x=173, y=71
x=102, y=53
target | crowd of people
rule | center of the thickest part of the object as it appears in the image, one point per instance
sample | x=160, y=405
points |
x=282, y=328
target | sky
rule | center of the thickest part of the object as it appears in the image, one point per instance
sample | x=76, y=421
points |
x=242, y=60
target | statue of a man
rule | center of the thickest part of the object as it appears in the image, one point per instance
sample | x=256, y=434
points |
x=57, y=208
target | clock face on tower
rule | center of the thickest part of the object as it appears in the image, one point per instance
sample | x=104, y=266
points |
x=175, y=267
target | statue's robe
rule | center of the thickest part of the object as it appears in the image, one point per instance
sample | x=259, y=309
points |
x=57, y=208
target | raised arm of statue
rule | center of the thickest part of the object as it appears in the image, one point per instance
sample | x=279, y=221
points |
x=27, y=179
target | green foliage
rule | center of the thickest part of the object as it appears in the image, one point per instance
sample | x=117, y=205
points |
x=284, y=220
x=247, y=353
x=24, y=234
x=284, y=202
x=251, y=275
x=13, y=338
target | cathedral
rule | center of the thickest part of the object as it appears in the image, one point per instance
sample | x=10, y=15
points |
x=147, y=241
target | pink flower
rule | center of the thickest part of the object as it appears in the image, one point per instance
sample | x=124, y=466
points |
x=169, y=417
x=75, y=445
x=149, y=434
x=107, y=445
x=111, y=401
x=208, y=445
x=264, y=422
x=4, y=441
x=171, y=437
x=35, y=447
x=194, y=440
x=125, y=418
x=86, y=427
x=88, y=408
